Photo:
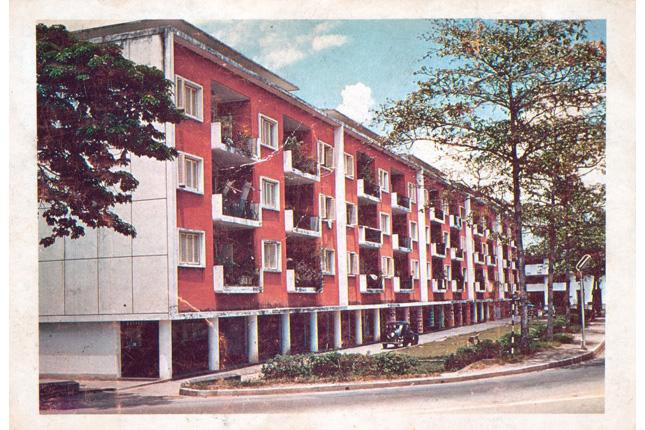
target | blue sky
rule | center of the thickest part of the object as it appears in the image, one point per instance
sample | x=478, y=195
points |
x=349, y=65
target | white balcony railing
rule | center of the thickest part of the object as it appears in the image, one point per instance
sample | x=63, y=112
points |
x=436, y=215
x=369, y=237
x=400, y=203
x=305, y=225
x=299, y=176
x=229, y=152
x=291, y=284
x=455, y=222
x=366, y=193
x=371, y=285
x=241, y=215
x=403, y=244
x=437, y=250
x=243, y=288
x=439, y=285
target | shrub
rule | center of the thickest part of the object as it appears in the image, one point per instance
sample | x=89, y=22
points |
x=486, y=349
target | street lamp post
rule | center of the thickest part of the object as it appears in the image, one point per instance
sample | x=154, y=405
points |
x=581, y=264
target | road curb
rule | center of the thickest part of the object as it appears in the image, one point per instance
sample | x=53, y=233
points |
x=390, y=383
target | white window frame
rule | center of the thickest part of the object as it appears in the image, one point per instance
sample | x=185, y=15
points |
x=182, y=261
x=274, y=131
x=429, y=270
x=263, y=203
x=412, y=192
x=414, y=231
x=326, y=207
x=348, y=161
x=448, y=271
x=197, y=186
x=446, y=239
x=325, y=155
x=388, y=224
x=352, y=264
x=278, y=255
x=387, y=267
x=426, y=197
x=181, y=84
x=427, y=234
x=352, y=211
x=384, y=180
x=328, y=261
x=415, y=269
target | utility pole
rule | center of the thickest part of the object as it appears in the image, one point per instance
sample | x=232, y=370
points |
x=581, y=264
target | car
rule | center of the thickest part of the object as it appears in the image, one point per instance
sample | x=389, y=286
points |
x=398, y=333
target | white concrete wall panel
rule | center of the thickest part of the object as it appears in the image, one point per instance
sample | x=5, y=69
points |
x=154, y=172
x=81, y=287
x=82, y=247
x=145, y=50
x=111, y=243
x=79, y=348
x=150, y=284
x=149, y=219
x=51, y=292
x=115, y=285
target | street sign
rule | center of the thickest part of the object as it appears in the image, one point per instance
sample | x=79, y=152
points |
x=583, y=262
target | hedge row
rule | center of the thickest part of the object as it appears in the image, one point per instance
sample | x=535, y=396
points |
x=338, y=366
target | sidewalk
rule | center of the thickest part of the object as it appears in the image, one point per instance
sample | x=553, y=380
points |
x=556, y=357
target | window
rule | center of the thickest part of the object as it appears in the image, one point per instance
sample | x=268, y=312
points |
x=414, y=268
x=270, y=194
x=414, y=231
x=387, y=267
x=326, y=207
x=462, y=242
x=429, y=269
x=446, y=238
x=325, y=155
x=189, y=173
x=191, y=248
x=271, y=256
x=384, y=223
x=426, y=197
x=384, y=180
x=427, y=234
x=351, y=214
x=448, y=272
x=268, y=132
x=327, y=261
x=349, y=166
x=189, y=98
x=412, y=192
x=352, y=263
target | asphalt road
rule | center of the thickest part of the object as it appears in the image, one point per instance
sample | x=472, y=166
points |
x=577, y=389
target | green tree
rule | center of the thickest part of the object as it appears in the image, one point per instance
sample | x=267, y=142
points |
x=486, y=94
x=94, y=110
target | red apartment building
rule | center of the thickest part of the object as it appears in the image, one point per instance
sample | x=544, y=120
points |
x=280, y=228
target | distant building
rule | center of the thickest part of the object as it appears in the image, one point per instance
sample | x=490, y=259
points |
x=281, y=228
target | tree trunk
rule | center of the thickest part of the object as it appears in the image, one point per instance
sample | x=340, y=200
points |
x=525, y=341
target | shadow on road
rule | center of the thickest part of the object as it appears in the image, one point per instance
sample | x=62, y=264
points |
x=101, y=400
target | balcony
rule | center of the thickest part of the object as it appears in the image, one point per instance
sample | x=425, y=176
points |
x=369, y=237
x=307, y=283
x=514, y=265
x=505, y=263
x=457, y=254
x=436, y=215
x=230, y=151
x=302, y=225
x=438, y=250
x=480, y=287
x=370, y=284
x=367, y=193
x=400, y=204
x=491, y=260
x=401, y=243
x=439, y=285
x=455, y=222
x=478, y=257
x=299, y=169
x=405, y=285
x=243, y=284
x=234, y=213
x=457, y=286
x=513, y=244
x=478, y=230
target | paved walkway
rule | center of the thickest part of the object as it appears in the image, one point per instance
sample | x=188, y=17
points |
x=594, y=340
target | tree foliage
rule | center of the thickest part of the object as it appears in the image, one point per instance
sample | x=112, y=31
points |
x=95, y=109
x=492, y=90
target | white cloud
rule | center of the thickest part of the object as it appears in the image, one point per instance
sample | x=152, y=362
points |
x=281, y=57
x=357, y=101
x=328, y=41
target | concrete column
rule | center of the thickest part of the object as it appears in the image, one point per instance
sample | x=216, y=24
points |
x=406, y=314
x=165, y=349
x=442, y=320
x=460, y=310
x=377, y=324
x=391, y=314
x=252, y=337
x=431, y=318
x=358, y=326
x=420, y=320
x=338, y=330
x=474, y=313
x=213, y=343
x=285, y=334
x=313, y=332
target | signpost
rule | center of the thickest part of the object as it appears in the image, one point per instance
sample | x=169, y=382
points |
x=581, y=264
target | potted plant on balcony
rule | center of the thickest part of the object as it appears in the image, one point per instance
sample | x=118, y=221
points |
x=299, y=160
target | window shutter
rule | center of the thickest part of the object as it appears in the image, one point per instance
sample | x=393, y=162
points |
x=181, y=164
x=322, y=207
x=332, y=209
x=180, y=93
